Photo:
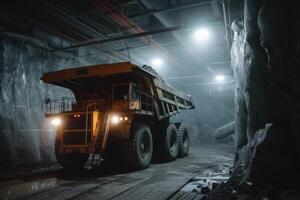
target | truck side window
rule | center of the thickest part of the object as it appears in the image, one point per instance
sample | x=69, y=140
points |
x=121, y=92
x=134, y=92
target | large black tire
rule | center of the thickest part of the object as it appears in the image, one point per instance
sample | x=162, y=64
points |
x=70, y=161
x=137, y=152
x=113, y=159
x=168, y=144
x=183, y=141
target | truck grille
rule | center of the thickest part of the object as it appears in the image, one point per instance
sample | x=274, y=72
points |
x=75, y=129
x=71, y=122
x=76, y=138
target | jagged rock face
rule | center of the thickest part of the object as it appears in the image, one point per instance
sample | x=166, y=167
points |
x=279, y=25
x=237, y=63
x=274, y=158
x=24, y=136
x=249, y=63
x=271, y=71
x=255, y=64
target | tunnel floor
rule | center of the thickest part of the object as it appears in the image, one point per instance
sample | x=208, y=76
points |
x=175, y=180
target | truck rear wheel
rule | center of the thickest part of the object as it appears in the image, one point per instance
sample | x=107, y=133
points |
x=138, y=151
x=183, y=141
x=168, y=145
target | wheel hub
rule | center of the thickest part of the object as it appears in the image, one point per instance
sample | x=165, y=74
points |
x=173, y=140
x=144, y=145
x=185, y=141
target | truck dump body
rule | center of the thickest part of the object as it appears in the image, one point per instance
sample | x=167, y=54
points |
x=167, y=100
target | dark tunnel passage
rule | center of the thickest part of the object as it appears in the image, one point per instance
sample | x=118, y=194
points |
x=140, y=99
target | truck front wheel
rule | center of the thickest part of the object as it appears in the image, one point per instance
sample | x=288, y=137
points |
x=137, y=152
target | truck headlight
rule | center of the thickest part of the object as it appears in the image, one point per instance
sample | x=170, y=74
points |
x=56, y=121
x=115, y=119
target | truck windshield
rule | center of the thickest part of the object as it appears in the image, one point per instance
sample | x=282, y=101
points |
x=121, y=92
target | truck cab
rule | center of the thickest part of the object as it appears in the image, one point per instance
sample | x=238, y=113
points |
x=131, y=96
x=125, y=96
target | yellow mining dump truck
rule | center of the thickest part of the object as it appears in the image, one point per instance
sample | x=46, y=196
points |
x=117, y=105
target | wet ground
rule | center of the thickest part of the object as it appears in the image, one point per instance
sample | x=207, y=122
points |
x=181, y=179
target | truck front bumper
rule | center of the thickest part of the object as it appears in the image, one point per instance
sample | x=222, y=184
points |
x=71, y=150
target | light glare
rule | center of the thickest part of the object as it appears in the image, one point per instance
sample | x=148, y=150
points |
x=157, y=62
x=220, y=78
x=56, y=121
x=201, y=34
x=115, y=119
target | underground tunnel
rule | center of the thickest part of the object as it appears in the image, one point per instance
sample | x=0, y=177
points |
x=150, y=99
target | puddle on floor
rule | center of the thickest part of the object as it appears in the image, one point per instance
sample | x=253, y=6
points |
x=18, y=188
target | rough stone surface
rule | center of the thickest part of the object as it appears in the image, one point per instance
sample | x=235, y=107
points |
x=279, y=36
x=264, y=170
x=24, y=134
x=237, y=63
x=249, y=65
x=267, y=165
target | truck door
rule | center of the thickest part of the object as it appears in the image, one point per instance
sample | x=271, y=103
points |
x=135, y=94
x=120, y=92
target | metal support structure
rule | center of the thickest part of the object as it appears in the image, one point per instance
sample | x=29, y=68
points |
x=171, y=8
x=125, y=22
x=168, y=22
x=164, y=30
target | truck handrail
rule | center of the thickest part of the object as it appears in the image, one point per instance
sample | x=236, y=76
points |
x=64, y=104
x=148, y=103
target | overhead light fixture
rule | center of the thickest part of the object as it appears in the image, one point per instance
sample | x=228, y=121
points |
x=157, y=62
x=220, y=78
x=202, y=34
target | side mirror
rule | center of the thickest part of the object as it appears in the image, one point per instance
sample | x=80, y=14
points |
x=47, y=100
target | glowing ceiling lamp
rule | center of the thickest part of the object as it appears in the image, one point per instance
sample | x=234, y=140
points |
x=202, y=34
x=220, y=78
x=157, y=62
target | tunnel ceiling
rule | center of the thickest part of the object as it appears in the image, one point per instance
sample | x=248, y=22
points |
x=156, y=28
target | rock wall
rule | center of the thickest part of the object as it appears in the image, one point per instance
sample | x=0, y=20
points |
x=279, y=25
x=25, y=137
x=237, y=63
x=272, y=32
x=249, y=63
x=268, y=165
